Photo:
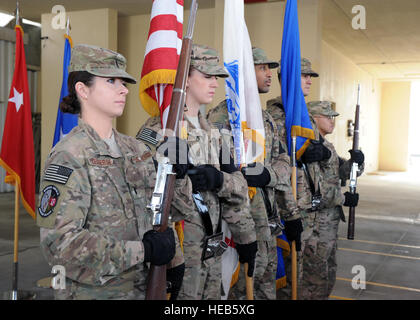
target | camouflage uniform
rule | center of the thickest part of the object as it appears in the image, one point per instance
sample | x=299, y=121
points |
x=302, y=209
x=202, y=279
x=322, y=269
x=266, y=259
x=93, y=215
x=92, y=208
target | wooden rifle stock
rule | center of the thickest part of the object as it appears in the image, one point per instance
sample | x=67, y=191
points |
x=354, y=169
x=156, y=281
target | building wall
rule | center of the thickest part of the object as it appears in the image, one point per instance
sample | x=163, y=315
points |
x=265, y=26
x=339, y=78
x=395, y=110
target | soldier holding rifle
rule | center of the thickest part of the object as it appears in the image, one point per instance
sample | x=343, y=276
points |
x=92, y=209
x=321, y=272
x=215, y=181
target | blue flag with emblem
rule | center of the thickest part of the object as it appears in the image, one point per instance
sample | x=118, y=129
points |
x=297, y=117
x=283, y=251
x=65, y=121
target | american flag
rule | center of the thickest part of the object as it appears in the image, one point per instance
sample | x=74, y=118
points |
x=161, y=57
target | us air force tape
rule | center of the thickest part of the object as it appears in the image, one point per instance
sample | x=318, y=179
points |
x=48, y=200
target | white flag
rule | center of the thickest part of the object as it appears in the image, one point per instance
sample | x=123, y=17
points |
x=244, y=107
x=242, y=96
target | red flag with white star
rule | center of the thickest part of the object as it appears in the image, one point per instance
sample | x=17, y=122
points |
x=17, y=148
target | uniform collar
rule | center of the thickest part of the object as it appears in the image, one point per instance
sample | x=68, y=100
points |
x=100, y=146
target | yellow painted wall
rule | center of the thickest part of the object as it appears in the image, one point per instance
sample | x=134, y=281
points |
x=395, y=110
x=95, y=27
x=132, y=40
x=128, y=35
x=265, y=26
x=339, y=78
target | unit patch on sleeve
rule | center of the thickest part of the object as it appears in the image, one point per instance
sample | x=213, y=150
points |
x=56, y=173
x=48, y=201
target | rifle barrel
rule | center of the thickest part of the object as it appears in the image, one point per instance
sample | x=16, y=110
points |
x=353, y=176
x=156, y=280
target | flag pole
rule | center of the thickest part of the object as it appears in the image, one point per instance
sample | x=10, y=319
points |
x=16, y=244
x=249, y=284
x=293, y=249
x=16, y=229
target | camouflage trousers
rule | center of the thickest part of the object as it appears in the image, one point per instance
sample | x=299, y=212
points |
x=316, y=265
x=264, y=274
x=119, y=288
x=202, y=281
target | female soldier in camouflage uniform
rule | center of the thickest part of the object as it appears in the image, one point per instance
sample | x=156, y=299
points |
x=92, y=209
x=219, y=183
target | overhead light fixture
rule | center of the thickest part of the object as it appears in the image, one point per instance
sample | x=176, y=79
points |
x=6, y=18
x=33, y=23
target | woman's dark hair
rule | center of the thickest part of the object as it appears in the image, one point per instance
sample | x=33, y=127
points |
x=70, y=103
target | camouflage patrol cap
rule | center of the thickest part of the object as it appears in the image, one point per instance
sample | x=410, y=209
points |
x=261, y=58
x=324, y=108
x=206, y=60
x=99, y=62
x=306, y=68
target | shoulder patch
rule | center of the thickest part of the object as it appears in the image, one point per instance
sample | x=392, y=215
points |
x=57, y=173
x=49, y=199
x=149, y=136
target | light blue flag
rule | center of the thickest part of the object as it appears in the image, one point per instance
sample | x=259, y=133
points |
x=65, y=121
x=297, y=117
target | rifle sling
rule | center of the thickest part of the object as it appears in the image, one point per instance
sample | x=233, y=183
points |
x=311, y=182
x=268, y=208
x=205, y=215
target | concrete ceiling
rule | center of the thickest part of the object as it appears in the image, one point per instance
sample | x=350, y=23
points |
x=389, y=47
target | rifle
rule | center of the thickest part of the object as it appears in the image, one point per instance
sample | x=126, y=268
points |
x=354, y=169
x=165, y=180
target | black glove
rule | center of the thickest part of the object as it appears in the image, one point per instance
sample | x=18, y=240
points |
x=159, y=247
x=316, y=151
x=177, y=151
x=247, y=253
x=227, y=164
x=293, y=230
x=205, y=177
x=357, y=156
x=256, y=175
x=352, y=199
x=174, y=277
